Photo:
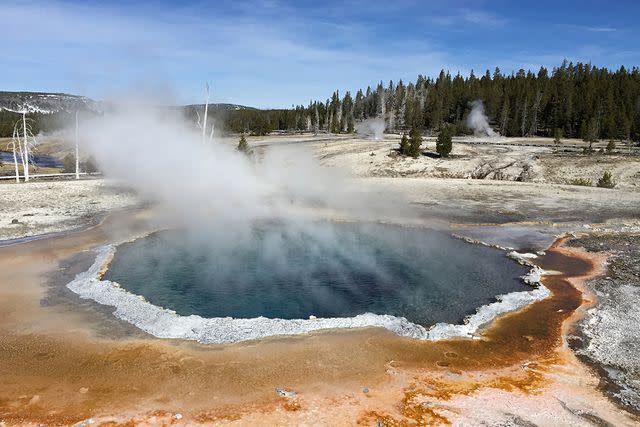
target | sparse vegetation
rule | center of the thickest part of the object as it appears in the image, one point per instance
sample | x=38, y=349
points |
x=582, y=182
x=69, y=163
x=606, y=181
x=611, y=146
x=89, y=165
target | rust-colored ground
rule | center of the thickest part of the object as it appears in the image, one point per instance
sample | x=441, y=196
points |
x=57, y=370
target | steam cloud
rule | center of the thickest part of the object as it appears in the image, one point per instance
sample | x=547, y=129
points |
x=478, y=121
x=219, y=195
x=165, y=161
x=371, y=128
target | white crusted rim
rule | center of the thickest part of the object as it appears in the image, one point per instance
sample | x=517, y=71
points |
x=165, y=323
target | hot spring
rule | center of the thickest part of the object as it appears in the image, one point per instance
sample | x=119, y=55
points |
x=323, y=269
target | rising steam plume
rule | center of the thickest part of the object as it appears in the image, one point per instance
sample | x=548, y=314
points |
x=371, y=128
x=164, y=160
x=478, y=121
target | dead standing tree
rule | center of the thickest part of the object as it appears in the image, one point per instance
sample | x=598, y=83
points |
x=202, y=122
x=12, y=144
x=77, y=150
x=25, y=143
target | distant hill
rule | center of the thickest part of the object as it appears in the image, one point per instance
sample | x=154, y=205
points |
x=46, y=103
x=49, y=103
x=216, y=107
x=52, y=111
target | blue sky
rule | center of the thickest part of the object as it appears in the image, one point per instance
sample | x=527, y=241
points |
x=278, y=53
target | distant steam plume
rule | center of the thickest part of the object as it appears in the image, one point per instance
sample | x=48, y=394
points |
x=478, y=121
x=371, y=128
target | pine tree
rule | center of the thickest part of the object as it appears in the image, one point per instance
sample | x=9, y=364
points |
x=415, y=141
x=444, y=143
x=557, y=135
x=243, y=145
x=404, y=144
x=591, y=133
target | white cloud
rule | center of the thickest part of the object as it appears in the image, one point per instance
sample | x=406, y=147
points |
x=464, y=17
x=591, y=29
x=269, y=53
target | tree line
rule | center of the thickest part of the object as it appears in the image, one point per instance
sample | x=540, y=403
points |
x=41, y=122
x=574, y=100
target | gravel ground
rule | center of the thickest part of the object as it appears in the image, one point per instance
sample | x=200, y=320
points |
x=32, y=208
x=483, y=201
x=611, y=330
x=506, y=159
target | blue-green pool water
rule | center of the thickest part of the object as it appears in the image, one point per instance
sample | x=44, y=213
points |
x=323, y=269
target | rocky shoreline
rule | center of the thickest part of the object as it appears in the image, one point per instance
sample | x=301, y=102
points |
x=609, y=334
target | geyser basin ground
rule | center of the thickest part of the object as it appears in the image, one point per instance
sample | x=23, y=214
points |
x=328, y=270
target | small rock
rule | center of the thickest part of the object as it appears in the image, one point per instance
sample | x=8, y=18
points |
x=35, y=399
x=83, y=390
x=15, y=221
x=365, y=390
x=286, y=393
x=312, y=317
x=177, y=416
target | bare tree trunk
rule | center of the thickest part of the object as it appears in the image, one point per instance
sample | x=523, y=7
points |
x=15, y=161
x=206, y=109
x=26, y=147
x=16, y=136
x=77, y=151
